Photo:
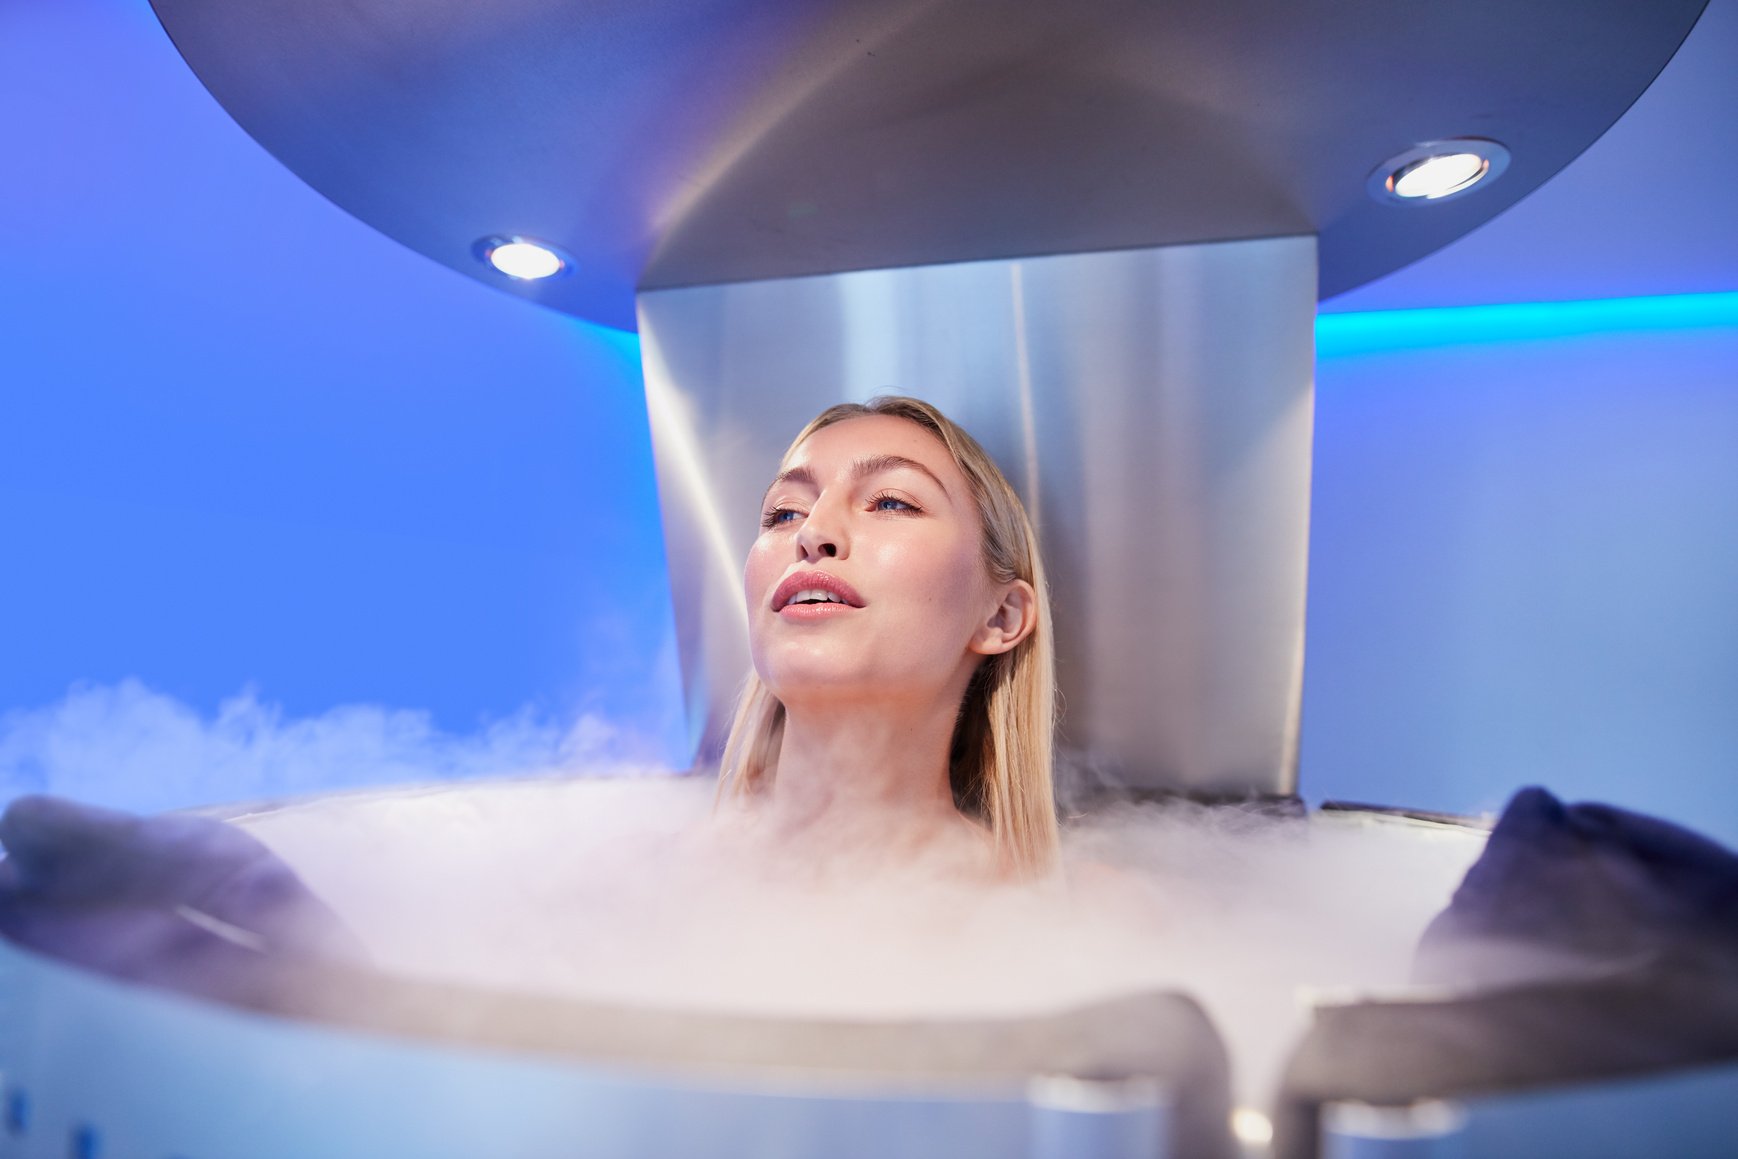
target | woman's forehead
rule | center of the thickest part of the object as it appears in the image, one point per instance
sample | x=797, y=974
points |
x=834, y=448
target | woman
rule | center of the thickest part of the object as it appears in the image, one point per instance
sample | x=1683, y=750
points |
x=898, y=719
x=902, y=701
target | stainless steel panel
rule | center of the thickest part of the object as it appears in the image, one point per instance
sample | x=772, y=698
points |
x=1111, y=1119
x=94, y=1066
x=112, y=1069
x=1152, y=406
x=1427, y=1130
x=1686, y=1112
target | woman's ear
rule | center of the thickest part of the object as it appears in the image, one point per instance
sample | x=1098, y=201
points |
x=1011, y=621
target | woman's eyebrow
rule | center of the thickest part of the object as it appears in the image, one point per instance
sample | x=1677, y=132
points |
x=875, y=464
x=794, y=475
x=861, y=469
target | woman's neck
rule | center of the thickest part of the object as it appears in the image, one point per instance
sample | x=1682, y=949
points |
x=869, y=781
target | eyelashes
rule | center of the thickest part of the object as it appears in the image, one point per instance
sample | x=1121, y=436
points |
x=776, y=516
x=906, y=506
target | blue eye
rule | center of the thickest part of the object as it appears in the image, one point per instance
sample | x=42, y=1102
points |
x=775, y=516
x=881, y=503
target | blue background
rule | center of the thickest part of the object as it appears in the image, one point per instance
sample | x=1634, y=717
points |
x=261, y=468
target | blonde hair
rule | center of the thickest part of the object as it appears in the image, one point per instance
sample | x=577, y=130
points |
x=1000, y=760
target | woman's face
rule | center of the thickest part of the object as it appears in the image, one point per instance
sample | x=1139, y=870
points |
x=873, y=514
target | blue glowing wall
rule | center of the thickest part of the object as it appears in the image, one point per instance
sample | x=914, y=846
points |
x=249, y=442
x=1524, y=561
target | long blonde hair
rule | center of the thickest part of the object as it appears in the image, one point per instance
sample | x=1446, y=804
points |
x=1000, y=760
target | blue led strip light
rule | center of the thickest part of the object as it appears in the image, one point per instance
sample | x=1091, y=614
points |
x=1338, y=335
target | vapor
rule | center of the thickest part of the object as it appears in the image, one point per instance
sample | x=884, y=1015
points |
x=596, y=890
x=565, y=873
x=127, y=746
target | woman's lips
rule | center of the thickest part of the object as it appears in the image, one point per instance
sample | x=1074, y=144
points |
x=824, y=611
x=812, y=580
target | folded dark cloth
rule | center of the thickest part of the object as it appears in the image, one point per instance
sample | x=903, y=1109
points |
x=179, y=901
x=1588, y=943
x=1564, y=888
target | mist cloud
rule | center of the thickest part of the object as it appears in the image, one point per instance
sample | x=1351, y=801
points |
x=590, y=887
x=128, y=746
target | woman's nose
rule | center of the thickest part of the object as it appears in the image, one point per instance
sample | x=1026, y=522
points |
x=822, y=535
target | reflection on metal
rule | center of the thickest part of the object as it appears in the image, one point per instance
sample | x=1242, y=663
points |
x=1424, y=1130
x=155, y=1074
x=665, y=143
x=704, y=559
x=339, y=1062
x=1687, y=1110
x=1071, y=1117
x=1152, y=406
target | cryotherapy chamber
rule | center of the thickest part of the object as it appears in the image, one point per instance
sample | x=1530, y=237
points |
x=1096, y=236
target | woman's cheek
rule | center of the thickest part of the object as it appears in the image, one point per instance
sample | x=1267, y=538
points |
x=757, y=574
x=933, y=576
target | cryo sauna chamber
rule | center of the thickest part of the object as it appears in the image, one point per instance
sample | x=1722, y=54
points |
x=1093, y=233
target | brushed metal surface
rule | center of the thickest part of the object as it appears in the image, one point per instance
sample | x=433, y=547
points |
x=1154, y=409
x=142, y=1072
x=709, y=141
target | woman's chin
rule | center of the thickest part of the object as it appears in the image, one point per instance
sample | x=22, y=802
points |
x=818, y=688
x=815, y=683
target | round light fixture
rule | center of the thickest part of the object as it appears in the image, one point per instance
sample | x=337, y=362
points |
x=524, y=259
x=1438, y=170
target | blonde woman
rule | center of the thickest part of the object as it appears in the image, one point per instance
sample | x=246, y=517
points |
x=902, y=701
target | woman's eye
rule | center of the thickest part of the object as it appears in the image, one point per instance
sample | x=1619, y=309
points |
x=777, y=516
x=891, y=503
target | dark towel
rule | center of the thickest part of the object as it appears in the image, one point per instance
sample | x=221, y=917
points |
x=184, y=902
x=1587, y=943
x=1561, y=888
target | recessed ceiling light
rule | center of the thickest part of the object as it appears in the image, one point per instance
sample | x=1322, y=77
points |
x=523, y=258
x=1438, y=170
